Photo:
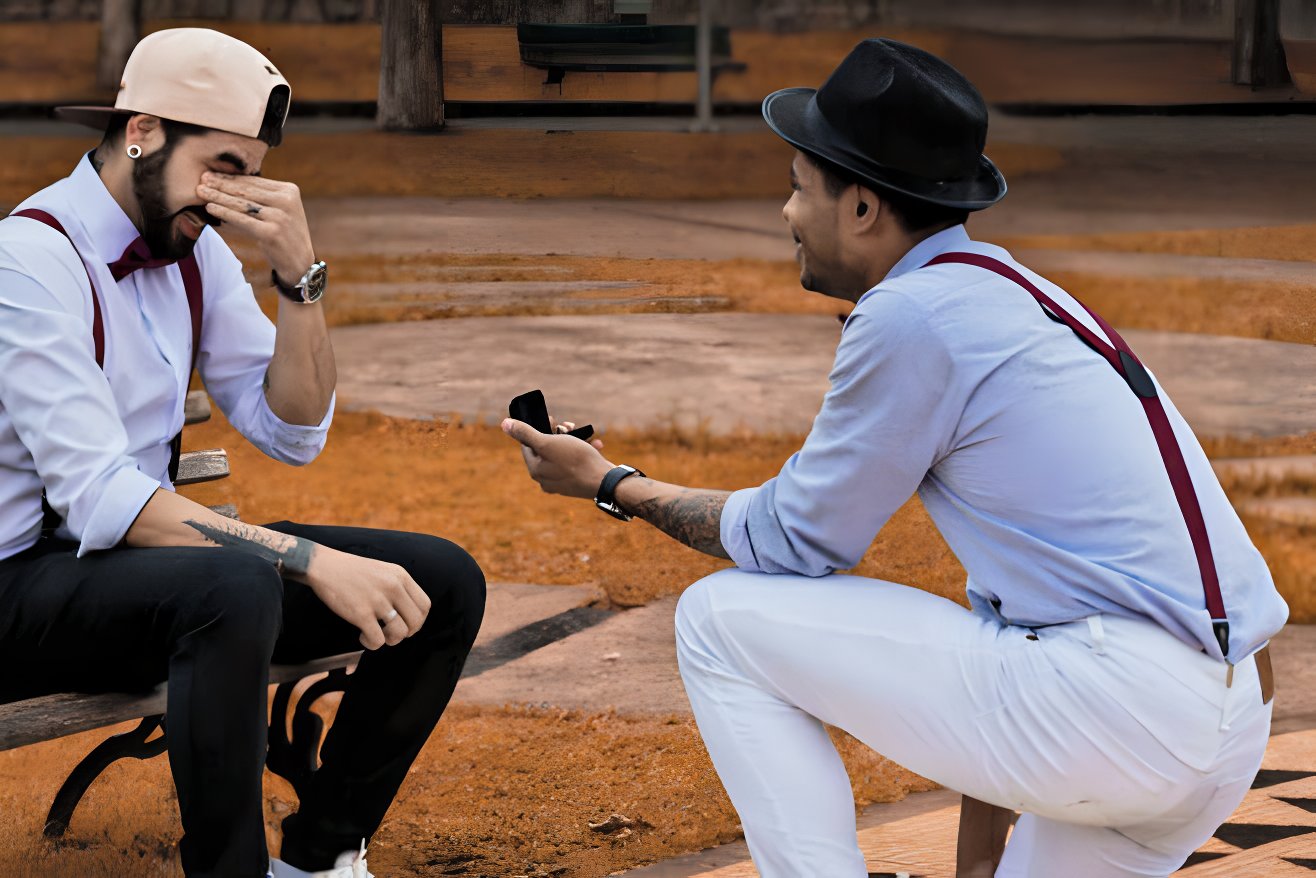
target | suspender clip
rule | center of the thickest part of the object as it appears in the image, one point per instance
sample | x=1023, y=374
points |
x=1221, y=629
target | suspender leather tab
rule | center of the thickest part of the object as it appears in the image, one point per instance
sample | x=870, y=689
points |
x=1265, y=674
x=1221, y=629
x=1136, y=376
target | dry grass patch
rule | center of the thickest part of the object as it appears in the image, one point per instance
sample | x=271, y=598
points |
x=1278, y=311
x=1288, y=243
x=662, y=285
x=467, y=483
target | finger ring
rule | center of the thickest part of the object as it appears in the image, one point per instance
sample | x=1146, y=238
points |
x=253, y=209
x=392, y=614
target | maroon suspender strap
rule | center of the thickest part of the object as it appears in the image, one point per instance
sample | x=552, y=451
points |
x=1130, y=368
x=97, y=326
x=191, y=273
x=195, y=303
x=191, y=284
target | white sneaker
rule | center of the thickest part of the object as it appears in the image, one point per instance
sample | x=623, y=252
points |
x=350, y=864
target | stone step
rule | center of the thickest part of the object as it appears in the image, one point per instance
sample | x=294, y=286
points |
x=1300, y=511
x=626, y=662
x=510, y=606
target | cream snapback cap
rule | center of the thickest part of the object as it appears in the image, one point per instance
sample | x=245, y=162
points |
x=200, y=77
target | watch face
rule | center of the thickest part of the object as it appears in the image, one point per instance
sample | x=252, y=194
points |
x=316, y=279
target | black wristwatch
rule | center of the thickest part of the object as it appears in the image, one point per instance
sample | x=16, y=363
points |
x=606, y=499
x=309, y=287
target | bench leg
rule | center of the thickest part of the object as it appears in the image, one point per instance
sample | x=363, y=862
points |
x=296, y=759
x=128, y=744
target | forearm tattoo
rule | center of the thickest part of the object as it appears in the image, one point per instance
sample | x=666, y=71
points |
x=692, y=517
x=290, y=555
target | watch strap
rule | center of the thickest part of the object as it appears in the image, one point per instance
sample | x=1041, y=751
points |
x=606, y=499
x=313, y=278
x=293, y=293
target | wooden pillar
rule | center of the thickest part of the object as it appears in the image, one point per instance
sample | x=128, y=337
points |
x=410, y=65
x=704, y=68
x=121, y=28
x=1258, y=50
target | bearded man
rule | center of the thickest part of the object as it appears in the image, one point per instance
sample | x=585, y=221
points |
x=113, y=286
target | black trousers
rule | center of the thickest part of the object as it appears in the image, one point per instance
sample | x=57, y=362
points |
x=210, y=621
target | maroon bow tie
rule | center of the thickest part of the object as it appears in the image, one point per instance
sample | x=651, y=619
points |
x=138, y=255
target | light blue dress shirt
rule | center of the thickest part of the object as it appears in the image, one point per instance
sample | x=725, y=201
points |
x=1031, y=454
x=99, y=440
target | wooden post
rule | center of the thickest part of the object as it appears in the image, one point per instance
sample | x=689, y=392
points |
x=704, y=68
x=410, y=65
x=121, y=28
x=1258, y=50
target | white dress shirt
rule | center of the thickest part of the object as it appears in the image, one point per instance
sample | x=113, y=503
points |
x=98, y=441
x=1033, y=457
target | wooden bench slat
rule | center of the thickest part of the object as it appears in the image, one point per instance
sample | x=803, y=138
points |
x=67, y=713
x=195, y=467
x=196, y=408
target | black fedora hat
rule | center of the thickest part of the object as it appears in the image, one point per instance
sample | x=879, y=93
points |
x=897, y=118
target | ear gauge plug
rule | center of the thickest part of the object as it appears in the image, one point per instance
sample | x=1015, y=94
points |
x=863, y=208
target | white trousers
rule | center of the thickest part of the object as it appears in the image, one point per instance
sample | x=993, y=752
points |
x=1120, y=744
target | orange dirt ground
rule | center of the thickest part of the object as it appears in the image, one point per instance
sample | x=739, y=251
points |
x=497, y=793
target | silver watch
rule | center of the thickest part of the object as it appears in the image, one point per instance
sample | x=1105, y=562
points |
x=309, y=288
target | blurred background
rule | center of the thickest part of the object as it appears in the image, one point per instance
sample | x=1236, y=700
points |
x=581, y=196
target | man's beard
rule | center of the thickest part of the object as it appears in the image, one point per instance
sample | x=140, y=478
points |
x=158, y=228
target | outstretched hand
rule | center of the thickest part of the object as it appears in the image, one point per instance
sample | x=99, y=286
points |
x=560, y=464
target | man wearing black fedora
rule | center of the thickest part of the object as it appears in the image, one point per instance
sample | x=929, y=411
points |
x=1110, y=680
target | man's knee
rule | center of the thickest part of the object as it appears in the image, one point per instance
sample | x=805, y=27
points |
x=452, y=579
x=698, y=608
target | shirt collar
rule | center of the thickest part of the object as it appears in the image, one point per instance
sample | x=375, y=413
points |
x=108, y=228
x=956, y=237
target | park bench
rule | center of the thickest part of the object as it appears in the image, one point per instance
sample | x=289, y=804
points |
x=612, y=48
x=293, y=757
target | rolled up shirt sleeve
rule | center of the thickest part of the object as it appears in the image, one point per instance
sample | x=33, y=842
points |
x=61, y=407
x=889, y=415
x=237, y=344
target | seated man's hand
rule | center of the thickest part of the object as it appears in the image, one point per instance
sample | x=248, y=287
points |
x=271, y=211
x=560, y=464
x=380, y=599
